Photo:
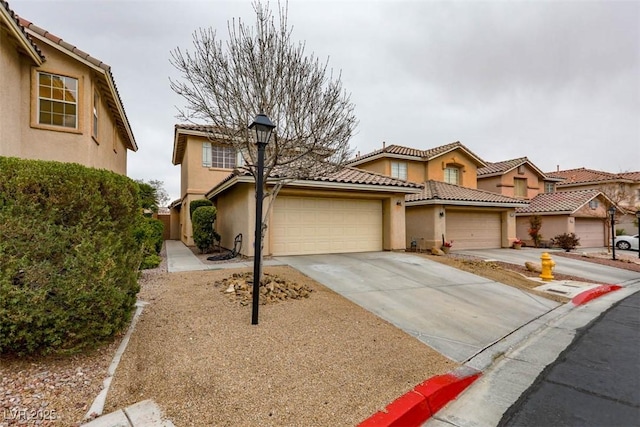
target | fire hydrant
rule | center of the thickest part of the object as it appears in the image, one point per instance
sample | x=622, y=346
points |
x=547, y=267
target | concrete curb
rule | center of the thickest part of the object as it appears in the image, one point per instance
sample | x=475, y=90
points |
x=419, y=404
x=422, y=402
x=97, y=407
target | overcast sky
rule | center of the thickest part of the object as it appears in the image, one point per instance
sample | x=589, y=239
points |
x=558, y=82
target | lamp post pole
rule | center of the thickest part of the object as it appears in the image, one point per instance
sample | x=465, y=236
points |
x=612, y=217
x=638, y=219
x=263, y=127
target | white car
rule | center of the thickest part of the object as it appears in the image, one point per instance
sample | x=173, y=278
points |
x=627, y=242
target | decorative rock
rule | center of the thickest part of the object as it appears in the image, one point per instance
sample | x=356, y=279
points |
x=437, y=251
x=532, y=266
x=230, y=289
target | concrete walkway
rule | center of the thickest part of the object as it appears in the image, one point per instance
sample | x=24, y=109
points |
x=142, y=414
x=180, y=258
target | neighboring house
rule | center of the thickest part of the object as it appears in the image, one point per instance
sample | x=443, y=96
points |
x=518, y=178
x=583, y=212
x=623, y=189
x=450, y=206
x=56, y=101
x=351, y=211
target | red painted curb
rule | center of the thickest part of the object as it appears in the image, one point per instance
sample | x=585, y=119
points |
x=416, y=406
x=586, y=296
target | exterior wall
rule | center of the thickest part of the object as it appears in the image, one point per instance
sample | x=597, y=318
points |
x=197, y=179
x=24, y=137
x=10, y=84
x=174, y=233
x=599, y=212
x=469, y=176
x=425, y=226
x=236, y=214
x=393, y=223
x=504, y=184
x=552, y=225
x=381, y=166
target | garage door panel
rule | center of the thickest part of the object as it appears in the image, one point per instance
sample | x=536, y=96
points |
x=474, y=230
x=590, y=231
x=316, y=225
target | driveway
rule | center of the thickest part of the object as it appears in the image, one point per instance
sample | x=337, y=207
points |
x=455, y=312
x=574, y=267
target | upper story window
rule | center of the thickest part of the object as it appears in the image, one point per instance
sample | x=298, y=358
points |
x=218, y=156
x=549, y=187
x=399, y=170
x=452, y=175
x=96, y=103
x=57, y=100
x=520, y=187
x=593, y=204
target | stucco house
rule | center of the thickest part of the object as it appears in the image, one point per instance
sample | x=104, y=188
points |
x=563, y=209
x=58, y=102
x=583, y=212
x=623, y=189
x=450, y=206
x=350, y=211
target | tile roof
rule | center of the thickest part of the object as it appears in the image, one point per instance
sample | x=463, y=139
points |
x=559, y=202
x=443, y=192
x=633, y=176
x=115, y=102
x=180, y=138
x=417, y=153
x=581, y=175
x=501, y=167
x=29, y=44
x=347, y=175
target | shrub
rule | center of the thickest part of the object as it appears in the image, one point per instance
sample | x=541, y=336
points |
x=566, y=241
x=535, y=224
x=195, y=204
x=203, y=233
x=149, y=237
x=68, y=255
x=620, y=232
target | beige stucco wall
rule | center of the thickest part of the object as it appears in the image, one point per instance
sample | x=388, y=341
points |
x=10, y=77
x=425, y=225
x=236, y=214
x=552, y=225
x=458, y=158
x=504, y=184
x=23, y=137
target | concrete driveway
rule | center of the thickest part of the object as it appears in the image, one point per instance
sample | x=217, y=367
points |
x=454, y=312
x=574, y=267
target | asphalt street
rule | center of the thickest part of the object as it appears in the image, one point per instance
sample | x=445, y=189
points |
x=594, y=382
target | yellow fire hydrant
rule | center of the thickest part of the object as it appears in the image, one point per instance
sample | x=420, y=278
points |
x=547, y=267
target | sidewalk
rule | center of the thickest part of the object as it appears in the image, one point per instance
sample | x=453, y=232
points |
x=523, y=357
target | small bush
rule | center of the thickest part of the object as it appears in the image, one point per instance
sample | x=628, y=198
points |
x=620, y=232
x=535, y=224
x=69, y=256
x=566, y=241
x=195, y=204
x=203, y=233
x=149, y=236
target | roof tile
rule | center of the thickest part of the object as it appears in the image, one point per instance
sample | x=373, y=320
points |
x=437, y=190
x=562, y=201
x=16, y=18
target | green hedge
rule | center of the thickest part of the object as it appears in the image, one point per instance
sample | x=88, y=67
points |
x=203, y=233
x=149, y=235
x=69, y=256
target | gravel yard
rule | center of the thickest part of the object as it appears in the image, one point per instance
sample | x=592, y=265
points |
x=314, y=361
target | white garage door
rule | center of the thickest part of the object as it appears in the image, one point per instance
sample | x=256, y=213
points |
x=473, y=230
x=306, y=225
x=591, y=232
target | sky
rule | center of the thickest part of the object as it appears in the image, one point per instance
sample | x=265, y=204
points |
x=556, y=81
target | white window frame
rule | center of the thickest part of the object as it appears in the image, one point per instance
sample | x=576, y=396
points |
x=452, y=175
x=219, y=156
x=96, y=105
x=399, y=170
x=593, y=204
x=549, y=187
x=73, y=93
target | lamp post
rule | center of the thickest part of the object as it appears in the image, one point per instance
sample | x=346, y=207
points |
x=263, y=127
x=612, y=217
x=638, y=218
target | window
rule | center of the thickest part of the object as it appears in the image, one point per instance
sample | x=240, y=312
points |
x=549, y=187
x=96, y=103
x=520, y=187
x=593, y=204
x=452, y=175
x=399, y=170
x=57, y=100
x=218, y=156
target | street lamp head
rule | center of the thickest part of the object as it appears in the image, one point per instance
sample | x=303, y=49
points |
x=263, y=127
x=612, y=211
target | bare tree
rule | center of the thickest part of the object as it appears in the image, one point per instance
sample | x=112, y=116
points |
x=260, y=69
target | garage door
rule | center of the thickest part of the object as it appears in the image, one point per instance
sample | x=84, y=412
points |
x=473, y=230
x=305, y=225
x=591, y=232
